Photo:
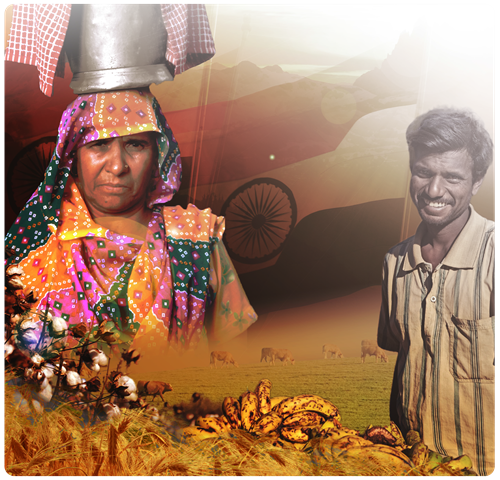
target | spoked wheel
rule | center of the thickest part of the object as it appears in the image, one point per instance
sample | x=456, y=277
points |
x=260, y=216
x=27, y=170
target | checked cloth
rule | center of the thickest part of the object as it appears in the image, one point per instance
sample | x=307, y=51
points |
x=38, y=30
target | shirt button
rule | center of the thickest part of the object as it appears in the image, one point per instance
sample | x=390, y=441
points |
x=433, y=299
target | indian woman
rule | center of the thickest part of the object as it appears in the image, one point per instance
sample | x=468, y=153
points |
x=100, y=247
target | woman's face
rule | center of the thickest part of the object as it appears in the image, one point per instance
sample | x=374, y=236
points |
x=116, y=174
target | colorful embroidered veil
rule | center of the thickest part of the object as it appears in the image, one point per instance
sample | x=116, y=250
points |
x=172, y=289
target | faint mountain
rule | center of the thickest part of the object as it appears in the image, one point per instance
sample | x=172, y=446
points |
x=401, y=71
x=330, y=253
x=224, y=84
x=292, y=122
x=279, y=51
x=368, y=60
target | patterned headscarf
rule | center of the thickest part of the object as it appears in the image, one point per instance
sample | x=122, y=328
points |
x=157, y=288
x=91, y=117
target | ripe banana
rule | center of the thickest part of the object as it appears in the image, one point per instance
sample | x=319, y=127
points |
x=463, y=462
x=396, y=433
x=215, y=424
x=468, y=473
x=330, y=423
x=334, y=432
x=387, y=458
x=231, y=409
x=380, y=435
x=304, y=419
x=263, y=392
x=296, y=434
x=291, y=444
x=268, y=423
x=197, y=433
x=277, y=400
x=441, y=471
x=313, y=403
x=412, y=437
x=349, y=441
x=249, y=410
x=419, y=454
x=434, y=459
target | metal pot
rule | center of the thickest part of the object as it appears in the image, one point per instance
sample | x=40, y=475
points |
x=113, y=47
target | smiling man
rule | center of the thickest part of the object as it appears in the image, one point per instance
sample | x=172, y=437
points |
x=438, y=294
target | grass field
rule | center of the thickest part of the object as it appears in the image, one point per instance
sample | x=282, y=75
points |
x=57, y=443
x=360, y=391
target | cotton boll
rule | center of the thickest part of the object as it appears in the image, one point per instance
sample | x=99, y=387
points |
x=124, y=380
x=73, y=378
x=44, y=381
x=57, y=327
x=102, y=359
x=47, y=371
x=37, y=359
x=13, y=269
x=111, y=410
x=131, y=398
x=98, y=357
x=8, y=349
x=153, y=412
x=28, y=334
x=45, y=393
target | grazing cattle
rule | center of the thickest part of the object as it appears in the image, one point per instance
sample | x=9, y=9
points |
x=370, y=347
x=153, y=388
x=284, y=355
x=332, y=350
x=267, y=354
x=225, y=357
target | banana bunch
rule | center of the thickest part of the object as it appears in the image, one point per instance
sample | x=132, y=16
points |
x=293, y=420
x=425, y=460
x=336, y=443
x=429, y=462
x=312, y=423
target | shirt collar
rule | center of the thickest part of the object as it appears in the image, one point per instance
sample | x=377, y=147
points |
x=463, y=252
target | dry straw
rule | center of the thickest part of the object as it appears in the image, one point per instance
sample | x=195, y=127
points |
x=59, y=443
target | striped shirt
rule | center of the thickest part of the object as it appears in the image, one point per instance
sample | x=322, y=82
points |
x=442, y=325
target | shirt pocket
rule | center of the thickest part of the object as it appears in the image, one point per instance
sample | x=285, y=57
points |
x=472, y=349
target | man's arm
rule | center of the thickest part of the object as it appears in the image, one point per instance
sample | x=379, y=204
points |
x=388, y=336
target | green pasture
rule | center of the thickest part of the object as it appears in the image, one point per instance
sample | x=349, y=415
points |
x=360, y=391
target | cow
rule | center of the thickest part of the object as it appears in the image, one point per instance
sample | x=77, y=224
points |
x=370, y=347
x=225, y=357
x=267, y=354
x=332, y=350
x=153, y=388
x=284, y=355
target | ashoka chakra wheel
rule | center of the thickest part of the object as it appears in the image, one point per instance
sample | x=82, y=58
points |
x=260, y=216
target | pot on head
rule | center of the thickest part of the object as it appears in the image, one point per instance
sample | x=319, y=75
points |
x=114, y=47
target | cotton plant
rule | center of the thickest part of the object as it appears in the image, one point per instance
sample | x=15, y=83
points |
x=40, y=349
x=94, y=359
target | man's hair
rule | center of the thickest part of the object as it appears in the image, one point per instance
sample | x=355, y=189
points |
x=450, y=129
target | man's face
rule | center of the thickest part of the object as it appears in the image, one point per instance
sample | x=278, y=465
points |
x=115, y=174
x=441, y=187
